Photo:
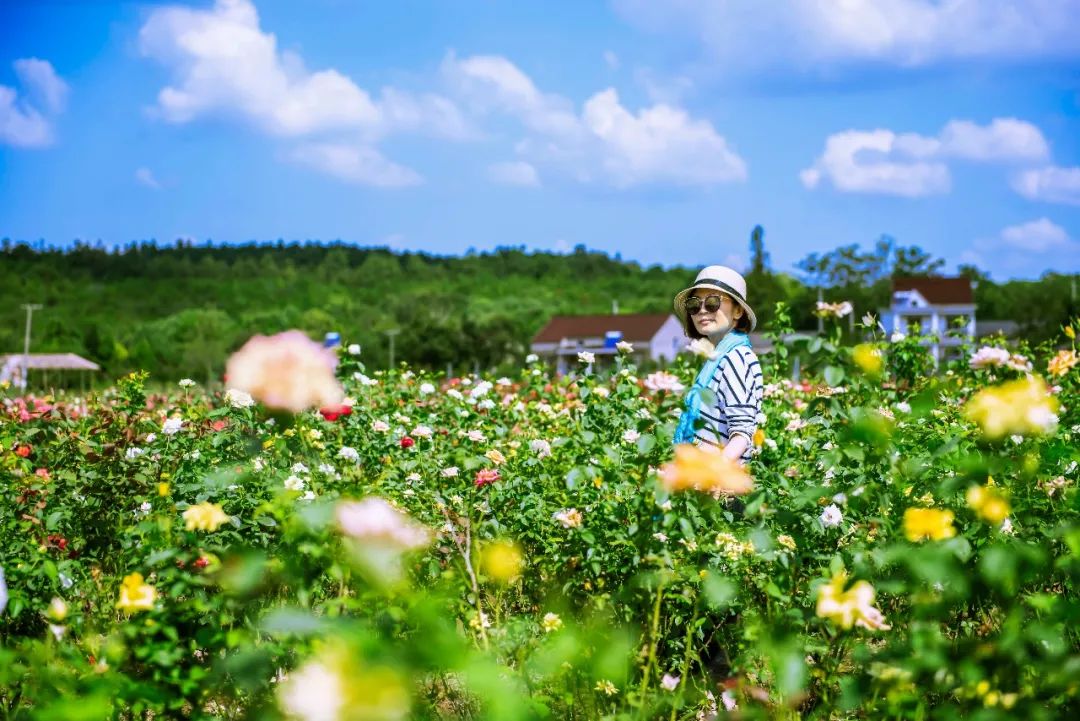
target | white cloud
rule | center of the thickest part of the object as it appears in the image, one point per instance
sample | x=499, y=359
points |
x=1002, y=139
x=225, y=65
x=1038, y=236
x=1051, y=184
x=42, y=82
x=606, y=142
x=659, y=144
x=492, y=83
x=145, y=176
x=857, y=161
x=816, y=36
x=355, y=164
x=26, y=121
x=663, y=89
x=1025, y=250
x=514, y=173
x=912, y=165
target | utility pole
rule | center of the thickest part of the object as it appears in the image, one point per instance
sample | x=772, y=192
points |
x=820, y=318
x=29, y=308
x=390, y=334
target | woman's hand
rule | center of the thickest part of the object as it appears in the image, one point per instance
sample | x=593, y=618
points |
x=735, y=447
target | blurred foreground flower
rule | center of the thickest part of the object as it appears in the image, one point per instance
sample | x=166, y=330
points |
x=57, y=610
x=704, y=469
x=868, y=358
x=988, y=503
x=851, y=607
x=702, y=347
x=502, y=561
x=136, y=595
x=928, y=523
x=669, y=682
x=551, y=622
x=205, y=517
x=1023, y=407
x=287, y=371
x=334, y=687
x=373, y=520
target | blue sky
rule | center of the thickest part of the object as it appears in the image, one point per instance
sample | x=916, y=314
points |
x=661, y=131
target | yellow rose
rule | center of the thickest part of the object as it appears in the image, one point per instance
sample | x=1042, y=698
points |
x=928, y=523
x=205, y=517
x=851, y=607
x=988, y=503
x=868, y=358
x=136, y=595
x=705, y=470
x=1022, y=407
x=502, y=561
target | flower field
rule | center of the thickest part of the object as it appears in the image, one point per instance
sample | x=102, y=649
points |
x=903, y=544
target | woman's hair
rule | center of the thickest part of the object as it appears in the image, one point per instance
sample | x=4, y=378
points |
x=742, y=323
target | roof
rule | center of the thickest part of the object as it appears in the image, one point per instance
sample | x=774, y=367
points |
x=50, y=361
x=938, y=290
x=634, y=326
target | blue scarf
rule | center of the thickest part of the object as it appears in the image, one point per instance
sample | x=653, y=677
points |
x=685, y=432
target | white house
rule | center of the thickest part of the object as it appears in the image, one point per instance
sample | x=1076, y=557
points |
x=655, y=336
x=931, y=307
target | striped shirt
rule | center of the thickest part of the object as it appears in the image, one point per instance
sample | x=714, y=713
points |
x=737, y=387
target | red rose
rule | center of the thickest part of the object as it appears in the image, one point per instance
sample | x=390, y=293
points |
x=334, y=412
x=407, y=442
x=220, y=425
x=23, y=451
x=201, y=562
x=486, y=476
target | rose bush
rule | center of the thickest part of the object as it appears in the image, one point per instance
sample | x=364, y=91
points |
x=903, y=544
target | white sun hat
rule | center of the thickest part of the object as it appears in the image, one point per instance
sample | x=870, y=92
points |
x=722, y=278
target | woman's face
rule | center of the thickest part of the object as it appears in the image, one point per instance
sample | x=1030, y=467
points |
x=720, y=321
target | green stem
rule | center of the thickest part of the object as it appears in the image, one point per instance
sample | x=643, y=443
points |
x=686, y=657
x=653, y=633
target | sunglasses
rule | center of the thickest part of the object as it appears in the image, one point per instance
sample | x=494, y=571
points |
x=711, y=304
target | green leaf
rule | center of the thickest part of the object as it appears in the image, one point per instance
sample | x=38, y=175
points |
x=292, y=621
x=834, y=375
x=720, y=591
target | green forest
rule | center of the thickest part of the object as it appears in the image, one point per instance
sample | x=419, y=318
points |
x=178, y=310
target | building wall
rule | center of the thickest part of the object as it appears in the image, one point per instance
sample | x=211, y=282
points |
x=668, y=341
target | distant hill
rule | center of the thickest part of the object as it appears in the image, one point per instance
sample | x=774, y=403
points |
x=178, y=310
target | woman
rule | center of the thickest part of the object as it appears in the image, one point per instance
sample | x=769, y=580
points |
x=723, y=405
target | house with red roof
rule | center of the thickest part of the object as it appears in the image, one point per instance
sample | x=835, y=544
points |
x=654, y=336
x=940, y=309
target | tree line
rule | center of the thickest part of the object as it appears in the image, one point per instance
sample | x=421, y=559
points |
x=178, y=310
